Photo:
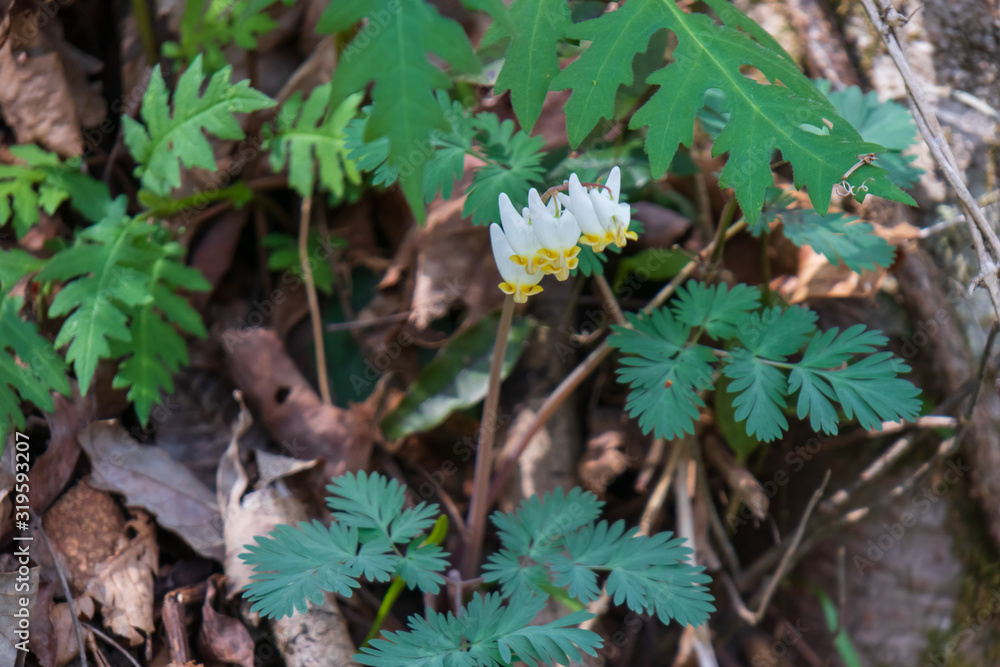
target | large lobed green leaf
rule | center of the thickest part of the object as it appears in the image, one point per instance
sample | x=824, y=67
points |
x=392, y=51
x=793, y=116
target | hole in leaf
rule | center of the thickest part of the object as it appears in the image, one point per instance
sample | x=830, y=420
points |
x=281, y=395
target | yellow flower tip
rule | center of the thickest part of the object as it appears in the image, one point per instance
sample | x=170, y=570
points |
x=531, y=290
x=563, y=272
x=573, y=253
x=632, y=236
x=572, y=262
x=590, y=239
x=524, y=291
x=548, y=254
x=520, y=261
x=507, y=288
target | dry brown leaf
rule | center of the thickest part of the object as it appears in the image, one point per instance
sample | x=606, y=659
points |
x=818, y=279
x=290, y=409
x=53, y=469
x=223, y=638
x=124, y=583
x=149, y=478
x=7, y=480
x=83, y=527
x=603, y=460
x=258, y=512
x=454, y=263
x=35, y=98
x=44, y=643
x=64, y=628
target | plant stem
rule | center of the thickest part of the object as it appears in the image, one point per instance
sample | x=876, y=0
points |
x=476, y=522
x=593, y=360
x=147, y=36
x=314, y=314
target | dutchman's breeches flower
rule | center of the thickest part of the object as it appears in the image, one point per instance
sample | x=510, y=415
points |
x=521, y=236
x=544, y=237
x=558, y=233
x=517, y=281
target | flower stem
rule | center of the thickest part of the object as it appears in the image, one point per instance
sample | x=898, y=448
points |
x=314, y=313
x=476, y=522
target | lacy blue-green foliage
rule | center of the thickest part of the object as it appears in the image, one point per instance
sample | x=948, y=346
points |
x=841, y=238
x=174, y=133
x=512, y=159
x=296, y=564
x=486, y=633
x=310, y=134
x=547, y=542
x=209, y=26
x=673, y=355
x=886, y=123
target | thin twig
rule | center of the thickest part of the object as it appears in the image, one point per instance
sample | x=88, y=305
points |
x=476, y=522
x=113, y=644
x=786, y=561
x=884, y=17
x=590, y=364
x=610, y=300
x=700, y=637
x=67, y=591
x=314, y=313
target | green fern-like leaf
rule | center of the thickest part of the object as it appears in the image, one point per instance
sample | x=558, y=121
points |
x=514, y=164
x=648, y=574
x=793, y=117
x=868, y=388
x=14, y=265
x=156, y=350
x=296, y=564
x=108, y=269
x=486, y=633
x=174, y=134
x=842, y=239
x=555, y=541
x=284, y=256
x=374, y=503
x=310, y=136
x=666, y=371
x=668, y=368
x=395, y=57
x=209, y=26
x=535, y=532
x=56, y=181
x=30, y=367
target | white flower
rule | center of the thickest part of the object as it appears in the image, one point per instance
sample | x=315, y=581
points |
x=614, y=216
x=579, y=203
x=557, y=231
x=521, y=237
x=517, y=280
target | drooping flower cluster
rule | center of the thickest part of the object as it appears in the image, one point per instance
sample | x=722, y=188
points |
x=545, y=238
